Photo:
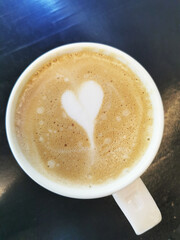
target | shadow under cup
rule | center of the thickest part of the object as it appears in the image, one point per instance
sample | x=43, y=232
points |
x=108, y=188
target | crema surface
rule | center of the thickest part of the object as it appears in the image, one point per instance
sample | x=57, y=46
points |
x=57, y=144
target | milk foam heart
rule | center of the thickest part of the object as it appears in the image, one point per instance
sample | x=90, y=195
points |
x=84, y=106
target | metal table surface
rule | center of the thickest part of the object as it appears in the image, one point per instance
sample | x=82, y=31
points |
x=147, y=30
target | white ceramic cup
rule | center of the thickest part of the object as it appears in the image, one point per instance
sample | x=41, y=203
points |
x=128, y=190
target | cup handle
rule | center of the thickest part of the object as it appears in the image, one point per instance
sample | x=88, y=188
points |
x=138, y=206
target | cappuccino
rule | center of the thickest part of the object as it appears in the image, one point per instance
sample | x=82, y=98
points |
x=83, y=118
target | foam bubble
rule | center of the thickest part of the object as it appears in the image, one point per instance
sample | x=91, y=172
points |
x=86, y=76
x=41, y=122
x=126, y=112
x=100, y=134
x=18, y=122
x=40, y=110
x=89, y=176
x=107, y=140
x=108, y=106
x=58, y=76
x=18, y=134
x=64, y=115
x=80, y=144
x=55, y=131
x=150, y=113
x=51, y=163
x=125, y=156
x=125, y=171
x=150, y=129
x=118, y=118
x=103, y=117
x=41, y=139
x=44, y=97
x=119, y=149
x=50, y=130
x=124, y=137
x=66, y=79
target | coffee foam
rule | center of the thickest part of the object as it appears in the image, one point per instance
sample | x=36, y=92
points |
x=106, y=132
x=84, y=106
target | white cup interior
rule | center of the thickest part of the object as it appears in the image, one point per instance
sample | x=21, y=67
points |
x=79, y=191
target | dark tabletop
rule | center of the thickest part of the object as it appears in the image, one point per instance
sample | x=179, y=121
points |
x=147, y=30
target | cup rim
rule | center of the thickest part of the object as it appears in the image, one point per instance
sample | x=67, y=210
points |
x=107, y=188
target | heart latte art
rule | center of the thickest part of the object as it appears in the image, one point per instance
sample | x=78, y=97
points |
x=83, y=118
x=84, y=107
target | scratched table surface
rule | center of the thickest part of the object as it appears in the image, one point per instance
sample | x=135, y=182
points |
x=147, y=30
